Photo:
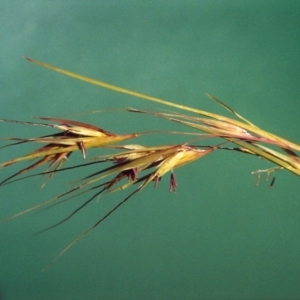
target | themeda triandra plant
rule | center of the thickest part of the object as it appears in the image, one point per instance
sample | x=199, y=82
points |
x=138, y=165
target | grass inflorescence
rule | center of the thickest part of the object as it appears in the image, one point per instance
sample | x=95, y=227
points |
x=134, y=165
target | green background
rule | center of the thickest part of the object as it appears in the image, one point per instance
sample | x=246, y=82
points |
x=218, y=236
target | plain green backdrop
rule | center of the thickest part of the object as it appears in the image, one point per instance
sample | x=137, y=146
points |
x=218, y=236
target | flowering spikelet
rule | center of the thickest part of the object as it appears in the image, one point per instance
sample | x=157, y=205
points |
x=74, y=136
x=129, y=165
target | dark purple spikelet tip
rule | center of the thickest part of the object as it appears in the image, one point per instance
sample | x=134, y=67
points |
x=173, y=183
